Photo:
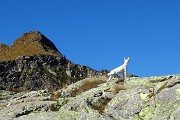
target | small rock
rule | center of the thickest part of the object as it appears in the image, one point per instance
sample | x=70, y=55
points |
x=98, y=94
x=172, y=82
x=159, y=86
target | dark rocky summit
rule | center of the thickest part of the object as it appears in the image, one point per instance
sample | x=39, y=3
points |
x=41, y=72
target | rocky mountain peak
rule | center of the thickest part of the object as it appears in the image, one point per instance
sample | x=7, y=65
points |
x=29, y=44
x=33, y=62
x=36, y=37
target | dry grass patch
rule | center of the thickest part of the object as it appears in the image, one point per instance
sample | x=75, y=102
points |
x=86, y=85
x=54, y=97
x=100, y=106
x=17, y=90
x=118, y=87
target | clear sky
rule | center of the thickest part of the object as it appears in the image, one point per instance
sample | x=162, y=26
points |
x=100, y=33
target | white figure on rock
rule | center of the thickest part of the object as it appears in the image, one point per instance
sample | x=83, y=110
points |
x=119, y=70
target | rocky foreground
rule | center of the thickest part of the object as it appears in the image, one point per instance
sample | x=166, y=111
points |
x=148, y=98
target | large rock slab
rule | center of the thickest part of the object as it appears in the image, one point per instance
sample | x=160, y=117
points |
x=164, y=105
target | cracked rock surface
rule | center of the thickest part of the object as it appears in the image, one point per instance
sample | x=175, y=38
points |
x=148, y=98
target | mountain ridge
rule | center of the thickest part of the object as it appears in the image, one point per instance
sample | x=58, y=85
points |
x=33, y=62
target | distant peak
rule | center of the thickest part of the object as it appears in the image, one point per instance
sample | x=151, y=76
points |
x=28, y=44
x=37, y=37
x=29, y=37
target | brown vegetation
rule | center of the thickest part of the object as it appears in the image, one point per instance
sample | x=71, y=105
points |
x=117, y=87
x=100, y=106
x=54, y=97
x=27, y=45
x=86, y=85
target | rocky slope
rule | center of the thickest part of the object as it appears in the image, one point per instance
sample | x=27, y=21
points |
x=41, y=72
x=33, y=63
x=149, y=98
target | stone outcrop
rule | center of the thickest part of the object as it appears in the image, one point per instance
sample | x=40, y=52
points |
x=133, y=99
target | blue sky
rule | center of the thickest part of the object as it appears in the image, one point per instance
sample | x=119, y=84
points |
x=100, y=33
